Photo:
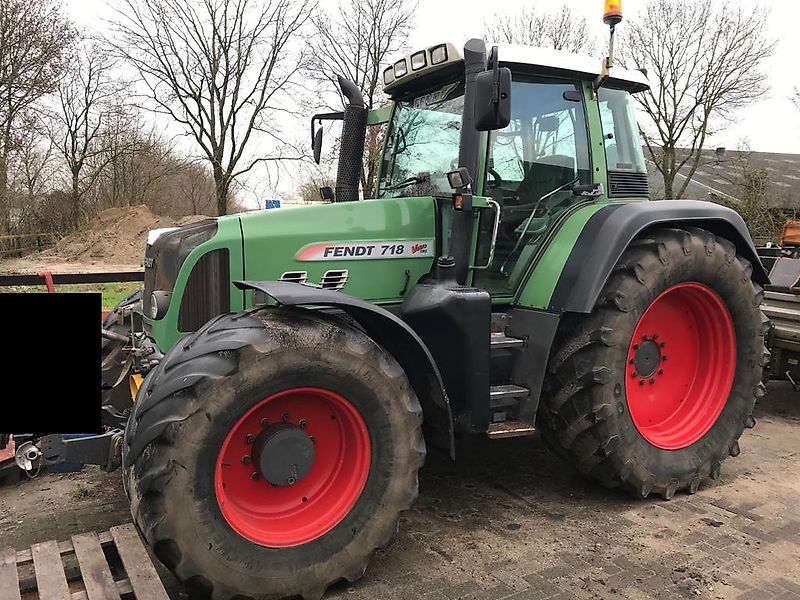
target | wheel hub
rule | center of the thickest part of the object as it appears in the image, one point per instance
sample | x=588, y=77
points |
x=283, y=454
x=647, y=358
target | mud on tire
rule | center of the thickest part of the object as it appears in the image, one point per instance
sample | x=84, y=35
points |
x=202, y=388
x=585, y=416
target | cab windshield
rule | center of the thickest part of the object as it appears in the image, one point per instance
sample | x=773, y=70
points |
x=422, y=144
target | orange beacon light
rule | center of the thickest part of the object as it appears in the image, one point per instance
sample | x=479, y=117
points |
x=612, y=13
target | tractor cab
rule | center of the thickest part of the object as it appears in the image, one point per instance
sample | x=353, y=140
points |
x=537, y=169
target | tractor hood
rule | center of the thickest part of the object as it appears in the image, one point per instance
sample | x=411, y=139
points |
x=371, y=249
x=374, y=250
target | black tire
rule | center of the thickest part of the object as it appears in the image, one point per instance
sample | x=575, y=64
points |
x=114, y=359
x=190, y=402
x=585, y=417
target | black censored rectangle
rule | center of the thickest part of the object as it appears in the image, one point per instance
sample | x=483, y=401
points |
x=50, y=363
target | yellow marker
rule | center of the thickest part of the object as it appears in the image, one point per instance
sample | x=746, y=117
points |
x=135, y=382
x=612, y=13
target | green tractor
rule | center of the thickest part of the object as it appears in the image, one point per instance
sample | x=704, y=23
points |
x=509, y=277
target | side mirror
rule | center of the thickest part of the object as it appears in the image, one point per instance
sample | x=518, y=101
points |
x=316, y=145
x=316, y=132
x=493, y=96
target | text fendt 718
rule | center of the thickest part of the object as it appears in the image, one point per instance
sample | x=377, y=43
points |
x=509, y=276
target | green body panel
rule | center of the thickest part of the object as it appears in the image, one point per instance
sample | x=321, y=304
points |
x=597, y=150
x=377, y=116
x=273, y=239
x=165, y=330
x=538, y=289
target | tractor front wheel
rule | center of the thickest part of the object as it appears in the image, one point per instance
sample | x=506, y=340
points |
x=269, y=455
x=652, y=390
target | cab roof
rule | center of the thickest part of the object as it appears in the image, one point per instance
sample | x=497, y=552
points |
x=543, y=61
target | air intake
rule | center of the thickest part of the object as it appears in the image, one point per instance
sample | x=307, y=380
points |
x=295, y=276
x=627, y=183
x=334, y=279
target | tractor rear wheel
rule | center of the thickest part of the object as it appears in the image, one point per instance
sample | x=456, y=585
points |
x=652, y=390
x=269, y=455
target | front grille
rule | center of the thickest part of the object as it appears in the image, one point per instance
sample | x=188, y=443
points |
x=627, y=183
x=164, y=257
x=207, y=292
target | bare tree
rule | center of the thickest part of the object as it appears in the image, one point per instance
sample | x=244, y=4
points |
x=356, y=44
x=796, y=97
x=32, y=165
x=705, y=60
x=34, y=42
x=85, y=97
x=217, y=68
x=559, y=29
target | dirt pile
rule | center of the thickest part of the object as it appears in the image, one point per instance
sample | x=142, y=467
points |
x=115, y=236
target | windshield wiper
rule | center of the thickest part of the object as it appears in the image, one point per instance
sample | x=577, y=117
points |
x=421, y=178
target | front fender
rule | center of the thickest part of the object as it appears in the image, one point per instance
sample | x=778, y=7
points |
x=610, y=230
x=394, y=335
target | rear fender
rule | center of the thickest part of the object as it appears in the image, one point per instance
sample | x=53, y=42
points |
x=394, y=335
x=611, y=229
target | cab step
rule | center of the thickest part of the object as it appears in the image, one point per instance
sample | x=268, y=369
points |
x=506, y=395
x=501, y=340
x=509, y=429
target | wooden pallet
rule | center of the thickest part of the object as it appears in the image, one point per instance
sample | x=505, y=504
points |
x=94, y=576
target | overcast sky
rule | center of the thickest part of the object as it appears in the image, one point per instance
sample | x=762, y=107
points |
x=772, y=125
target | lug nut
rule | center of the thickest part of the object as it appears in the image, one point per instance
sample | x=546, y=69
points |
x=661, y=371
x=662, y=344
x=302, y=423
x=246, y=459
x=652, y=381
x=664, y=358
x=264, y=422
x=254, y=476
x=636, y=346
x=250, y=438
x=644, y=337
x=285, y=417
x=641, y=382
x=632, y=361
x=634, y=374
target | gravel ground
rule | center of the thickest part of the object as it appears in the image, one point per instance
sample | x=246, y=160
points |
x=508, y=520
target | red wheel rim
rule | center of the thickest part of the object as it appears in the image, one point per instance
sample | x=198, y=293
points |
x=681, y=364
x=290, y=515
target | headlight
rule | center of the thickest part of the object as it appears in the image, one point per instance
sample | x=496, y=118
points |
x=418, y=61
x=388, y=76
x=159, y=303
x=439, y=54
x=400, y=68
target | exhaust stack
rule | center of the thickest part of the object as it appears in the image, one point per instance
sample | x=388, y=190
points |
x=351, y=151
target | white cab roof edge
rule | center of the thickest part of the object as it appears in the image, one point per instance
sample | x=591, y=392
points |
x=546, y=58
x=567, y=61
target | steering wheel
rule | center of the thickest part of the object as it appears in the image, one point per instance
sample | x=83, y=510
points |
x=497, y=181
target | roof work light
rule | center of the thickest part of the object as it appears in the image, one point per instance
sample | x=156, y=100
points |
x=612, y=13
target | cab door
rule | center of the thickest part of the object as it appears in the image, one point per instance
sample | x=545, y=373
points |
x=531, y=168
